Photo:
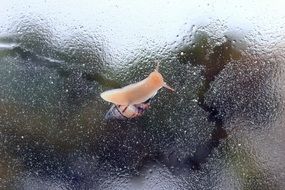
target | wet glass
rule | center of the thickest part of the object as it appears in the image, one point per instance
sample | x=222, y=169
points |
x=222, y=128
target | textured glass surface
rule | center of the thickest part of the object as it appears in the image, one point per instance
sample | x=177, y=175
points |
x=223, y=127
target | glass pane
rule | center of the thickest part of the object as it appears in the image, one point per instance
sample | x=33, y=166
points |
x=222, y=128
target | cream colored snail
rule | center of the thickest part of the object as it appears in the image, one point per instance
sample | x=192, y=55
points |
x=132, y=100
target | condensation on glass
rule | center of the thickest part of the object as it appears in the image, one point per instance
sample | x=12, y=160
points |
x=223, y=128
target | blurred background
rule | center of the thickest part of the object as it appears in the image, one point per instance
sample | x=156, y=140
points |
x=223, y=128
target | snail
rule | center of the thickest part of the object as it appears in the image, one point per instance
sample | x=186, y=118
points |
x=132, y=100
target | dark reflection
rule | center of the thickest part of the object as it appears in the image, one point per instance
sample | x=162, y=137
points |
x=52, y=118
x=121, y=145
x=60, y=66
x=213, y=58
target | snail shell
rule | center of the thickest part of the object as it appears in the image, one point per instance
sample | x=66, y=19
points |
x=126, y=112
